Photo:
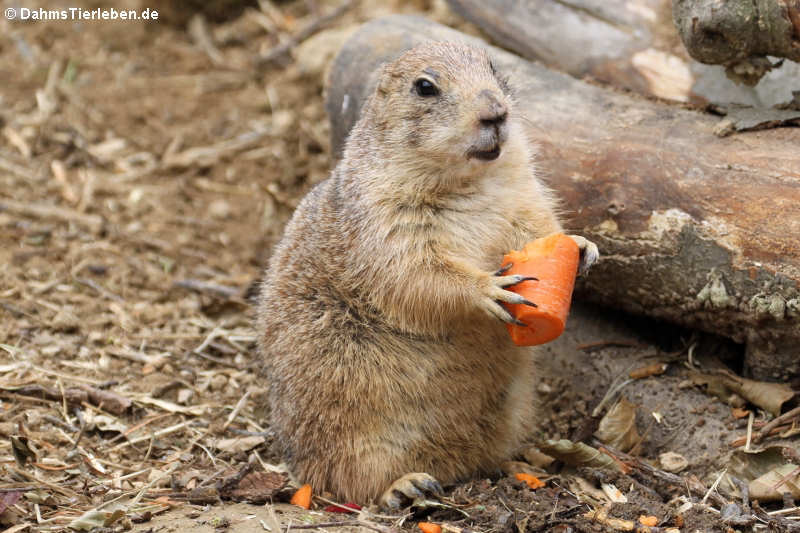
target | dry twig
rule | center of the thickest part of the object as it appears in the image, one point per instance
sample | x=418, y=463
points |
x=93, y=222
x=280, y=52
x=775, y=422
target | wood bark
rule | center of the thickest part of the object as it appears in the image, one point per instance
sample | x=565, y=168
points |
x=740, y=34
x=628, y=43
x=634, y=44
x=693, y=228
x=735, y=30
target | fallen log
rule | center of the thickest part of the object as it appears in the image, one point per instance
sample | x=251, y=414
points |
x=630, y=44
x=634, y=44
x=740, y=34
x=693, y=228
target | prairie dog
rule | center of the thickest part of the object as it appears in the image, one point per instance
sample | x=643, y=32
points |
x=379, y=319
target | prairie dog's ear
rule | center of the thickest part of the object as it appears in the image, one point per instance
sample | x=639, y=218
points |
x=382, y=87
x=386, y=77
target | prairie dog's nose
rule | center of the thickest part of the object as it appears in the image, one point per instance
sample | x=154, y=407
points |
x=492, y=111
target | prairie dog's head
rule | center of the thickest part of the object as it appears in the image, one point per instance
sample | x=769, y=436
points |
x=445, y=103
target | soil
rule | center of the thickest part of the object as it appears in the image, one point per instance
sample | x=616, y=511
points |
x=146, y=169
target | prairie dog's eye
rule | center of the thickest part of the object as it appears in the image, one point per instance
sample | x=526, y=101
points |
x=425, y=87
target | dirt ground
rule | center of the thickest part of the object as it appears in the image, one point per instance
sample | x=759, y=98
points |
x=145, y=171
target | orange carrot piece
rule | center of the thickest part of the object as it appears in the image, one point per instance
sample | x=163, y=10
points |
x=302, y=498
x=553, y=260
x=428, y=527
x=532, y=481
x=649, y=521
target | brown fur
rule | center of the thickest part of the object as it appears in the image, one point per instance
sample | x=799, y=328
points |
x=381, y=356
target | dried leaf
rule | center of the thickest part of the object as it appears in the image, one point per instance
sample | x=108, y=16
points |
x=166, y=501
x=39, y=496
x=22, y=450
x=738, y=412
x=654, y=369
x=752, y=465
x=764, y=470
x=194, y=410
x=93, y=463
x=8, y=499
x=116, y=515
x=618, y=426
x=258, y=487
x=578, y=454
x=586, y=490
x=768, y=396
x=94, y=518
x=107, y=400
x=613, y=493
x=204, y=496
x=536, y=458
x=240, y=444
x=772, y=485
x=100, y=422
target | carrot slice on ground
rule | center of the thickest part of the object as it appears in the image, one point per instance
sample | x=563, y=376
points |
x=302, y=497
x=427, y=527
x=532, y=481
x=649, y=521
x=553, y=260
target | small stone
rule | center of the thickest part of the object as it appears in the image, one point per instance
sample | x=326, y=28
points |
x=673, y=462
x=724, y=127
x=219, y=209
x=218, y=382
x=185, y=396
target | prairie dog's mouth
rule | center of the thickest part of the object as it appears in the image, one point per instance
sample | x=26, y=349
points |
x=486, y=155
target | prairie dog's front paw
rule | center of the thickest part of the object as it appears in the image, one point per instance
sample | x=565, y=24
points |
x=409, y=488
x=494, y=292
x=589, y=253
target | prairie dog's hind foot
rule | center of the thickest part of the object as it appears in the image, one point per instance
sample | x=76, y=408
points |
x=408, y=488
x=589, y=253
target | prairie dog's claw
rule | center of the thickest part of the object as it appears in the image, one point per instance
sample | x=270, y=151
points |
x=495, y=293
x=509, y=281
x=503, y=269
x=589, y=253
x=518, y=322
x=409, y=488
